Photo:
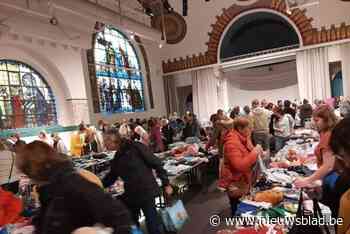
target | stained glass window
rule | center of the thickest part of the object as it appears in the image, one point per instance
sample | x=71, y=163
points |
x=118, y=72
x=26, y=100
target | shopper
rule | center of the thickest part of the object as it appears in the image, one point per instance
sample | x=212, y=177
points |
x=264, y=103
x=58, y=144
x=236, y=112
x=305, y=112
x=44, y=137
x=155, y=136
x=325, y=120
x=192, y=128
x=248, y=115
x=68, y=200
x=102, y=125
x=288, y=109
x=168, y=132
x=260, y=125
x=282, y=129
x=140, y=134
x=77, y=141
x=93, y=143
x=15, y=139
x=339, y=144
x=344, y=107
x=133, y=163
x=239, y=158
x=280, y=104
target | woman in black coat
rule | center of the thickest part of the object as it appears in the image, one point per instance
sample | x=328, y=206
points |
x=134, y=164
x=68, y=201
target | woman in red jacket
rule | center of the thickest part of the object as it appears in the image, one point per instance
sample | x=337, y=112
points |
x=239, y=158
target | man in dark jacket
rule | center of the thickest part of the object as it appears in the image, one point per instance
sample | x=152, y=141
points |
x=133, y=163
x=168, y=133
x=305, y=112
x=288, y=109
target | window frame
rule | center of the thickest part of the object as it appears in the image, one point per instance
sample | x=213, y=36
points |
x=30, y=119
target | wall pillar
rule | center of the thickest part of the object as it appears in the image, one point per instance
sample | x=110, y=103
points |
x=80, y=110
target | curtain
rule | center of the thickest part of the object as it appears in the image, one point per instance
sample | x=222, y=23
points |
x=222, y=89
x=170, y=94
x=345, y=57
x=337, y=85
x=205, y=93
x=313, y=74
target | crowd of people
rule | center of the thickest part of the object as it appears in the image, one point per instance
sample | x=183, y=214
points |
x=71, y=200
x=254, y=129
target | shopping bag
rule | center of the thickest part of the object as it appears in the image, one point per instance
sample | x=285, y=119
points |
x=302, y=212
x=174, y=217
x=166, y=221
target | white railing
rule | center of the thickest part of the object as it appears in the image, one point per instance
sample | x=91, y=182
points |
x=263, y=52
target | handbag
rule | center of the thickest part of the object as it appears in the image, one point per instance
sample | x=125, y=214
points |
x=302, y=213
x=174, y=217
x=238, y=189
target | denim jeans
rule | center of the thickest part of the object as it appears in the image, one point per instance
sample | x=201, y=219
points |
x=148, y=208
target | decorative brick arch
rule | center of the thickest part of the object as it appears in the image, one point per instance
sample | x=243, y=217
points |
x=301, y=23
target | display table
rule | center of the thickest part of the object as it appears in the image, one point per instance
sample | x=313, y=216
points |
x=193, y=168
x=273, y=196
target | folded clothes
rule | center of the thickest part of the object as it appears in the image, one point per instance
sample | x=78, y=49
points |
x=280, y=175
x=256, y=204
x=244, y=207
x=175, y=170
x=274, y=212
x=301, y=170
x=263, y=184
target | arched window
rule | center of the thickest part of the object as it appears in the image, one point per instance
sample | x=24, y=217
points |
x=118, y=72
x=26, y=100
x=256, y=32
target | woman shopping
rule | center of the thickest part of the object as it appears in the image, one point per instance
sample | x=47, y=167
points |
x=282, y=128
x=325, y=120
x=239, y=158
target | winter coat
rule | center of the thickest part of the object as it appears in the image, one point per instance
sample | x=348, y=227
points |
x=239, y=158
x=69, y=201
x=134, y=163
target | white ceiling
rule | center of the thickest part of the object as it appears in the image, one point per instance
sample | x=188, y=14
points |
x=130, y=8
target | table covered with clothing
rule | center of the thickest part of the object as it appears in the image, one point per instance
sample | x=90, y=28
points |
x=273, y=194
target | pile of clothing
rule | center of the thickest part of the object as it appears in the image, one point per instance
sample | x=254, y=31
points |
x=10, y=208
